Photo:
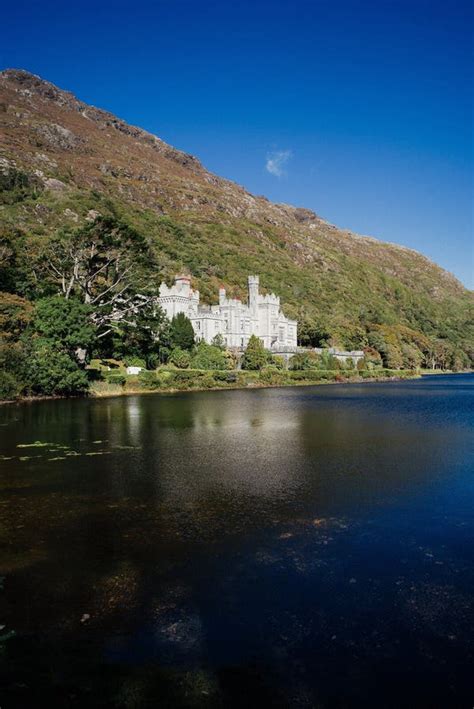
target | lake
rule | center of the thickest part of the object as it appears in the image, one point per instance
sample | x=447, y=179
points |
x=293, y=547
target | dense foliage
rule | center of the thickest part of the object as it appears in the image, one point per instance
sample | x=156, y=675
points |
x=100, y=212
x=255, y=355
x=91, y=299
x=76, y=292
x=181, y=333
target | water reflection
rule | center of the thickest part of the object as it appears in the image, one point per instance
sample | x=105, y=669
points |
x=283, y=547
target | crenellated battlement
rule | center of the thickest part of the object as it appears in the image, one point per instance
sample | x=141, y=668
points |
x=270, y=299
x=233, y=320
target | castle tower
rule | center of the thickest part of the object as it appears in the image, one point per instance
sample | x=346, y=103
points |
x=222, y=295
x=253, y=283
x=183, y=284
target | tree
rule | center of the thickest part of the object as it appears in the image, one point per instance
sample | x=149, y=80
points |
x=65, y=325
x=372, y=358
x=15, y=315
x=15, y=318
x=14, y=272
x=377, y=342
x=59, y=331
x=443, y=353
x=105, y=264
x=142, y=338
x=9, y=386
x=218, y=341
x=51, y=372
x=392, y=358
x=255, y=355
x=209, y=357
x=412, y=357
x=181, y=332
x=312, y=333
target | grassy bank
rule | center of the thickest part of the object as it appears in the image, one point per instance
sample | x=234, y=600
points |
x=171, y=380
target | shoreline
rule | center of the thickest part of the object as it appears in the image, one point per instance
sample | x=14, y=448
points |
x=134, y=391
x=246, y=387
x=121, y=391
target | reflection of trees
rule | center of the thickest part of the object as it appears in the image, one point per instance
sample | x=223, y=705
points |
x=162, y=542
x=114, y=537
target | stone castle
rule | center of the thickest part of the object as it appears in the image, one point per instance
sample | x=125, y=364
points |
x=233, y=320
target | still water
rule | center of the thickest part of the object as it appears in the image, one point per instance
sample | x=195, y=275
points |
x=296, y=547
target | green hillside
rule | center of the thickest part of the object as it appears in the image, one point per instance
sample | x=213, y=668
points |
x=64, y=165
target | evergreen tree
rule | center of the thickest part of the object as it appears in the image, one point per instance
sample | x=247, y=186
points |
x=181, y=332
x=255, y=355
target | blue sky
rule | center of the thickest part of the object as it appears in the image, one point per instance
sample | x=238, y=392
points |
x=361, y=110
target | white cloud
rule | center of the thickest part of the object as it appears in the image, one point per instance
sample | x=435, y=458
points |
x=276, y=162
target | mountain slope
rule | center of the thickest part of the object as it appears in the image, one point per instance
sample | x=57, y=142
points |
x=64, y=161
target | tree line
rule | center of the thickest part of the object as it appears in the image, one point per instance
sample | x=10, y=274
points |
x=91, y=292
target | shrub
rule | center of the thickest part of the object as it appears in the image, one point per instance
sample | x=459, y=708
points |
x=271, y=375
x=305, y=360
x=134, y=361
x=209, y=357
x=165, y=378
x=153, y=360
x=207, y=381
x=16, y=186
x=229, y=377
x=115, y=378
x=188, y=375
x=148, y=380
x=247, y=378
x=328, y=361
x=9, y=386
x=180, y=358
x=94, y=374
x=312, y=375
x=277, y=361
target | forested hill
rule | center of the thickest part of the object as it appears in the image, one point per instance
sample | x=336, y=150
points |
x=65, y=164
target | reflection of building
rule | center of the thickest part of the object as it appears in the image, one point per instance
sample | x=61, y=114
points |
x=232, y=319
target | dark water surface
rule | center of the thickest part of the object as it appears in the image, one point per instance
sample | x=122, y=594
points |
x=297, y=547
